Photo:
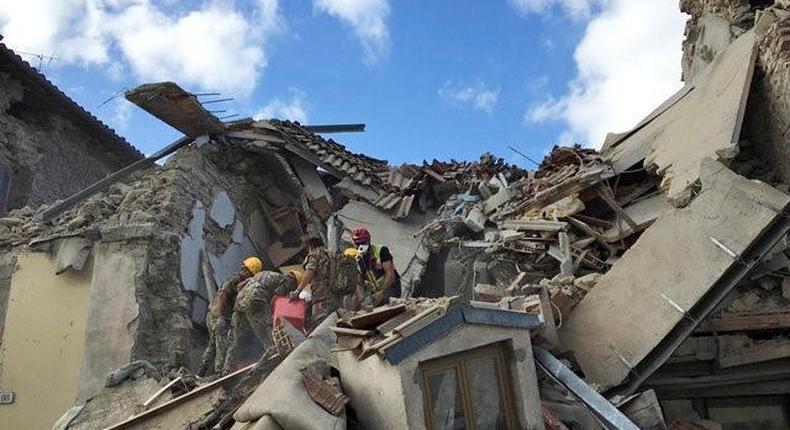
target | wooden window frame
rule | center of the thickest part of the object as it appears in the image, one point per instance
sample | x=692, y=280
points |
x=458, y=363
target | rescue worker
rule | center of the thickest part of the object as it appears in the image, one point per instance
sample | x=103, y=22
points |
x=380, y=279
x=316, y=283
x=252, y=311
x=219, y=317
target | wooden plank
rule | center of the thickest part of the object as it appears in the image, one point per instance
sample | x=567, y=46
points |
x=161, y=391
x=309, y=156
x=607, y=196
x=376, y=317
x=581, y=225
x=547, y=311
x=754, y=322
x=771, y=350
x=176, y=107
x=352, y=331
x=434, y=175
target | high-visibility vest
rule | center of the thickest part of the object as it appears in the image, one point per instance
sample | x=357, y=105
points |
x=371, y=281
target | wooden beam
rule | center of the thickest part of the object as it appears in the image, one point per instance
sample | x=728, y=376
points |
x=310, y=157
x=754, y=322
x=376, y=317
x=607, y=196
x=759, y=353
x=352, y=331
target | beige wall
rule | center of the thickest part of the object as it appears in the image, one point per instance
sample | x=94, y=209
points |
x=43, y=342
x=112, y=313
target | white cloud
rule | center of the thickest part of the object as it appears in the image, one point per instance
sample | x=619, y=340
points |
x=573, y=8
x=478, y=95
x=627, y=63
x=294, y=109
x=121, y=114
x=368, y=19
x=213, y=46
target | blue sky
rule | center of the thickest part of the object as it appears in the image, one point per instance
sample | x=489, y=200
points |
x=438, y=79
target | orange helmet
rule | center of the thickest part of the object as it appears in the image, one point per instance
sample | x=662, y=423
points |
x=360, y=235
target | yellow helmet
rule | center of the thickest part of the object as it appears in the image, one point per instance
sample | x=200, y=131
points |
x=297, y=274
x=254, y=265
x=351, y=252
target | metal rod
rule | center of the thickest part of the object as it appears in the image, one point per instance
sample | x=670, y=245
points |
x=335, y=128
x=216, y=101
x=522, y=154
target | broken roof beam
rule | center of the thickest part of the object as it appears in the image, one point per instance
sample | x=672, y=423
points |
x=335, y=128
x=176, y=107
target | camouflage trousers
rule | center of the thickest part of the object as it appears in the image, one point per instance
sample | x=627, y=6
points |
x=242, y=323
x=218, y=338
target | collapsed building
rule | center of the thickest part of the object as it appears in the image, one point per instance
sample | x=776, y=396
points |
x=641, y=286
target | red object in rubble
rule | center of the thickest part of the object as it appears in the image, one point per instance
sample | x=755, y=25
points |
x=292, y=310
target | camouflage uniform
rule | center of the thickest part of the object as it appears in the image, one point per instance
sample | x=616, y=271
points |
x=252, y=311
x=324, y=301
x=218, y=323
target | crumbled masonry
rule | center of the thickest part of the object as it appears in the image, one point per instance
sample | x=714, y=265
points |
x=645, y=285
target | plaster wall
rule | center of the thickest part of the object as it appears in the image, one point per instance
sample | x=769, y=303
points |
x=112, y=313
x=43, y=343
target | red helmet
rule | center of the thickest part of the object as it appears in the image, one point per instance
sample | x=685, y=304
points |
x=360, y=235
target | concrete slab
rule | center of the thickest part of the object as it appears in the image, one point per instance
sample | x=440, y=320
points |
x=715, y=35
x=704, y=122
x=666, y=272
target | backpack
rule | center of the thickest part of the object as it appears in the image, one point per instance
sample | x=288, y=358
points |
x=343, y=273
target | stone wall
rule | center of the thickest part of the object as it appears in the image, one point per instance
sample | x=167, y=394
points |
x=43, y=156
